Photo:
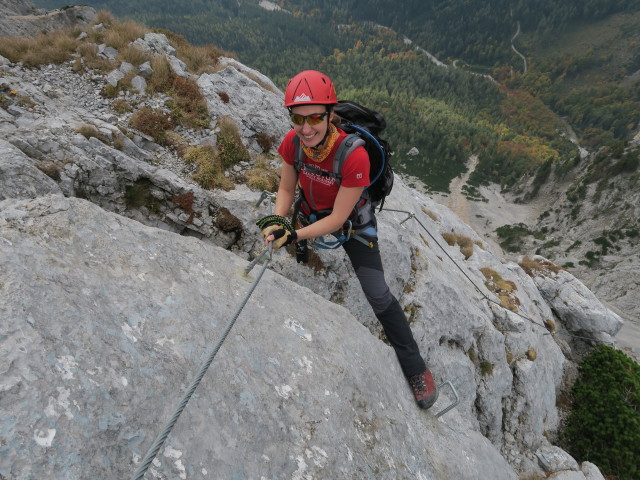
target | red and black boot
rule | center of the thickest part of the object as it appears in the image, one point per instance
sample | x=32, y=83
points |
x=424, y=389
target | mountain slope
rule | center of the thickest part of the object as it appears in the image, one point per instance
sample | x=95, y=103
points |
x=107, y=317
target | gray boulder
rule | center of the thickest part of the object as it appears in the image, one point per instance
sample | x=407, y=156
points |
x=578, y=308
x=255, y=109
x=19, y=178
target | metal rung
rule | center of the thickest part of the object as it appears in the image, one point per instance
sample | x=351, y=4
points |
x=265, y=194
x=452, y=405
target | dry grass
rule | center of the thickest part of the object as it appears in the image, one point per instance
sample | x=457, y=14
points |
x=175, y=142
x=133, y=55
x=230, y=146
x=200, y=59
x=450, y=238
x=210, y=172
x=188, y=104
x=430, y=214
x=504, y=289
x=263, y=177
x=51, y=169
x=162, y=77
x=51, y=47
x=121, y=34
x=121, y=106
x=536, y=266
x=89, y=54
x=465, y=243
x=550, y=324
x=89, y=131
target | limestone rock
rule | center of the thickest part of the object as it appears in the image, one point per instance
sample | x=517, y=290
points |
x=20, y=17
x=231, y=93
x=578, y=307
x=118, y=320
x=19, y=178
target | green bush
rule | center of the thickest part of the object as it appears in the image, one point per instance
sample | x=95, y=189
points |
x=604, y=424
x=512, y=236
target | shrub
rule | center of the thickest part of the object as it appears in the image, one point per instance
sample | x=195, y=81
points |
x=210, y=172
x=230, y=146
x=263, y=177
x=265, y=141
x=88, y=131
x=188, y=105
x=513, y=236
x=227, y=222
x=604, y=424
x=152, y=122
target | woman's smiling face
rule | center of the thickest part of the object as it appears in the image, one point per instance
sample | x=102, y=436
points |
x=311, y=135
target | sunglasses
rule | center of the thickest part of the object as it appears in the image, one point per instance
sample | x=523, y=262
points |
x=313, y=119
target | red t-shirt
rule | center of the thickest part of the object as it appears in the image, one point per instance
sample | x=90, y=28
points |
x=321, y=191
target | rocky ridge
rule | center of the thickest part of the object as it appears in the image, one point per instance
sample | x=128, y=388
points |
x=86, y=264
x=22, y=18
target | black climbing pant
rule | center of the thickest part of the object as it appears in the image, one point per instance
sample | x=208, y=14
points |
x=367, y=264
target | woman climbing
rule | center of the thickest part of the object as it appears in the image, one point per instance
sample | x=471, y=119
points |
x=326, y=204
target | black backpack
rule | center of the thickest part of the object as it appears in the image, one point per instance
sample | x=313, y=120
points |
x=363, y=127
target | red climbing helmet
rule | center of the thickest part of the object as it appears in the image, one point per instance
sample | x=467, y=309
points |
x=310, y=88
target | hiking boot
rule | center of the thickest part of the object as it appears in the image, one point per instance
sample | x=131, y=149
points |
x=424, y=389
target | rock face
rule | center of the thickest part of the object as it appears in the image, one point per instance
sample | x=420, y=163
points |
x=18, y=17
x=239, y=94
x=117, y=321
x=112, y=291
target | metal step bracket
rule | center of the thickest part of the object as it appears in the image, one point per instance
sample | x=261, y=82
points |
x=453, y=404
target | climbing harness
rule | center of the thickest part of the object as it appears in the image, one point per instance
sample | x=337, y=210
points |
x=155, y=448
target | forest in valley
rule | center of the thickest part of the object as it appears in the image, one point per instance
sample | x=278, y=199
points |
x=482, y=101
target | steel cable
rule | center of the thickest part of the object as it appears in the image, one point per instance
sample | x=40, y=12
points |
x=155, y=448
x=412, y=215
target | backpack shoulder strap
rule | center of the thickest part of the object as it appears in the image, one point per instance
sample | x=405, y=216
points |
x=298, y=160
x=346, y=148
